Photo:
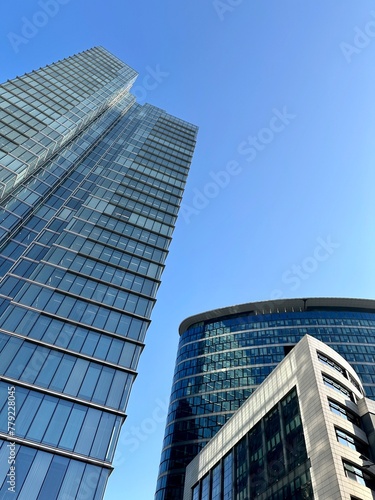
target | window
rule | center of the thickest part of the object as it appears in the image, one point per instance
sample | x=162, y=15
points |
x=228, y=477
x=355, y=383
x=328, y=361
x=344, y=412
x=333, y=384
x=241, y=470
x=352, y=442
x=354, y=472
x=205, y=488
x=196, y=492
x=216, y=482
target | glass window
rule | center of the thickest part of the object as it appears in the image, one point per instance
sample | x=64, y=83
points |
x=57, y=424
x=123, y=325
x=73, y=427
x=354, y=473
x=242, y=470
x=295, y=446
x=26, y=413
x=54, y=478
x=77, y=312
x=352, y=442
x=76, y=377
x=102, y=347
x=90, y=344
x=26, y=364
x=103, y=385
x=62, y=374
x=257, y=461
x=41, y=419
x=135, y=328
x=66, y=305
x=103, y=436
x=355, y=383
x=116, y=390
x=25, y=456
x=59, y=333
x=127, y=353
x=216, y=482
x=9, y=348
x=78, y=338
x=36, y=474
x=112, y=322
x=27, y=323
x=333, y=384
x=344, y=412
x=196, y=491
x=89, y=383
x=101, y=317
x=72, y=480
x=328, y=361
x=88, y=431
x=228, y=477
x=205, y=488
x=49, y=368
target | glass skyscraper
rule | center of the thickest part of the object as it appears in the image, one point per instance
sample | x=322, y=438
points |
x=90, y=185
x=224, y=355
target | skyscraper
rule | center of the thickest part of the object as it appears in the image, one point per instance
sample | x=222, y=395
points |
x=225, y=354
x=90, y=185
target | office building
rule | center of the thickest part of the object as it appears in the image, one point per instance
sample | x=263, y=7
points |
x=224, y=355
x=307, y=432
x=90, y=185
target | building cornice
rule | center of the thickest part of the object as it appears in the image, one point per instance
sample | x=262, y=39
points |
x=279, y=306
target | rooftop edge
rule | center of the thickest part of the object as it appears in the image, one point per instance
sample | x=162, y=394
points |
x=280, y=305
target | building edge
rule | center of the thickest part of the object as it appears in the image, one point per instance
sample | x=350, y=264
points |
x=280, y=305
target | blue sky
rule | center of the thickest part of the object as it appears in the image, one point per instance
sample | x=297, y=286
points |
x=280, y=199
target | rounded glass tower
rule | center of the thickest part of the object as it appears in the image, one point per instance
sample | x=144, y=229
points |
x=223, y=356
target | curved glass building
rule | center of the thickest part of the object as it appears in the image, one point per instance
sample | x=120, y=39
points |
x=225, y=354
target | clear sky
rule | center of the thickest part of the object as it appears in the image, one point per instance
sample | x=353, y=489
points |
x=280, y=199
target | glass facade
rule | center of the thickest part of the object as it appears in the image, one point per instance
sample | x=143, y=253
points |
x=91, y=184
x=269, y=463
x=224, y=355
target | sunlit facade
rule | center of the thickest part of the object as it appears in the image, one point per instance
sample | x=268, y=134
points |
x=91, y=184
x=224, y=355
x=307, y=432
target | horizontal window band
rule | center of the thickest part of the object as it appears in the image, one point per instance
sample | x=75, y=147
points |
x=113, y=247
x=55, y=451
x=102, y=261
x=60, y=395
x=196, y=417
x=100, y=225
x=89, y=278
x=75, y=354
x=72, y=322
x=95, y=259
x=86, y=299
